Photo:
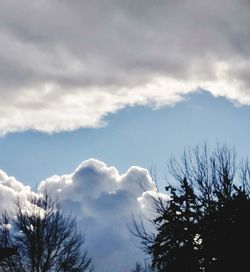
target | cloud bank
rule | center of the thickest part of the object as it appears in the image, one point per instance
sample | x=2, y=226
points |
x=67, y=64
x=103, y=202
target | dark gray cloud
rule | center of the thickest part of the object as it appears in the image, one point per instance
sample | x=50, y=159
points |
x=94, y=58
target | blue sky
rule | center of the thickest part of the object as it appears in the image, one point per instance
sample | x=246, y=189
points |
x=134, y=136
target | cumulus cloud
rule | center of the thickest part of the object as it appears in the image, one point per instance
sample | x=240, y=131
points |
x=67, y=64
x=103, y=202
x=12, y=191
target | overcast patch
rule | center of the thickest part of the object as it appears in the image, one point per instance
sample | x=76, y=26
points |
x=67, y=64
x=103, y=202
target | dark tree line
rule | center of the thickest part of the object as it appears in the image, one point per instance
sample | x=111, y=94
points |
x=44, y=238
x=205, y=226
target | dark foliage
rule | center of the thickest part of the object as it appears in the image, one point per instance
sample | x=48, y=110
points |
x=46, y=239
x=205, y=226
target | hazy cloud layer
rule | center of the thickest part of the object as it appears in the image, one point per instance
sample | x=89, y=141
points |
x=67, y=64
x=103, y=202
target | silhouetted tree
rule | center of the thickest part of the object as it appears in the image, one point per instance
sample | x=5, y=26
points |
x=142, y=268
x=205, y=226
x=174, y=247
x=224, y=231
x=46, y=239
x=10, y=260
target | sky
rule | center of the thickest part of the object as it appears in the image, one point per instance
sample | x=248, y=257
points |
x=116, y=87
x=134, y=136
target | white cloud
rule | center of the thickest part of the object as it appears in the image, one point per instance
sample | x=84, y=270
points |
x=67, y=64
x=12, y=190
x=103, y=202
